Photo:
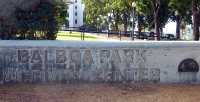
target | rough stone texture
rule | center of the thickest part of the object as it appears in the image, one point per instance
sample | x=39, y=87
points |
x=138, y=62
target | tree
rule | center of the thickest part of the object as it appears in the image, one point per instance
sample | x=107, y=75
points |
x=93, y=10
x=195, y=20
x=41, y=21
x=156, y=4
x=117, y=10
x=156, y=13
x=153, y=14
x=181, y=13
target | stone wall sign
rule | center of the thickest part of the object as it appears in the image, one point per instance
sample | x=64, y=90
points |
x=47, y=61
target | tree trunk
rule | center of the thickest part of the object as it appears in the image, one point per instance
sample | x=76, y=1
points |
x=139, y=25
x=195, y=20
x=156, y=26
x=156, y=8
x=125, y=19
x=133, y=24
x=178, y=27
x=125, y=28
x=116, y=26
x=161, y=31
x=116, y=14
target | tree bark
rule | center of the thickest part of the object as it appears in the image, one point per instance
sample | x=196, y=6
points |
x=156, y=8
x=161, y=31
x=156, y=26
x=195, y=20
x=125, y=23
x=116, y=14
x=125, y=28
x=133, y=23
x=178, y=27
x=139, y=25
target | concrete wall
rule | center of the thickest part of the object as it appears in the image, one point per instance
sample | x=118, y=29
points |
x=49, y=61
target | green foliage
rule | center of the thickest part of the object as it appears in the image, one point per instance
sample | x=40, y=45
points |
x=61, y=12
x=153, y=14
x=41, y=21
x=97, y=12
x=93, y=8
x=183, y=9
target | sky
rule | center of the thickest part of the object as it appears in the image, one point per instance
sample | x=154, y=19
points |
x=170, y=28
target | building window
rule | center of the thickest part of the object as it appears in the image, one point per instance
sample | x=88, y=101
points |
x=75, y=1
x=76, y=21
x=76, y=13
x=75, y=7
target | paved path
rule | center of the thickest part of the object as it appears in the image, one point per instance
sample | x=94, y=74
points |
x=99, y=93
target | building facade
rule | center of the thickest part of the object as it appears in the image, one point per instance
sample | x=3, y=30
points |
x=76, y=10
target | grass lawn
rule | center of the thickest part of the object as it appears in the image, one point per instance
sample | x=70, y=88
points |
x=65, y=35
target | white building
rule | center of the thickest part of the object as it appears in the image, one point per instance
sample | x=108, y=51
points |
x=76, y=10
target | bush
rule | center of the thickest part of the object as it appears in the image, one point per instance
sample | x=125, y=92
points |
x=42, y=21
